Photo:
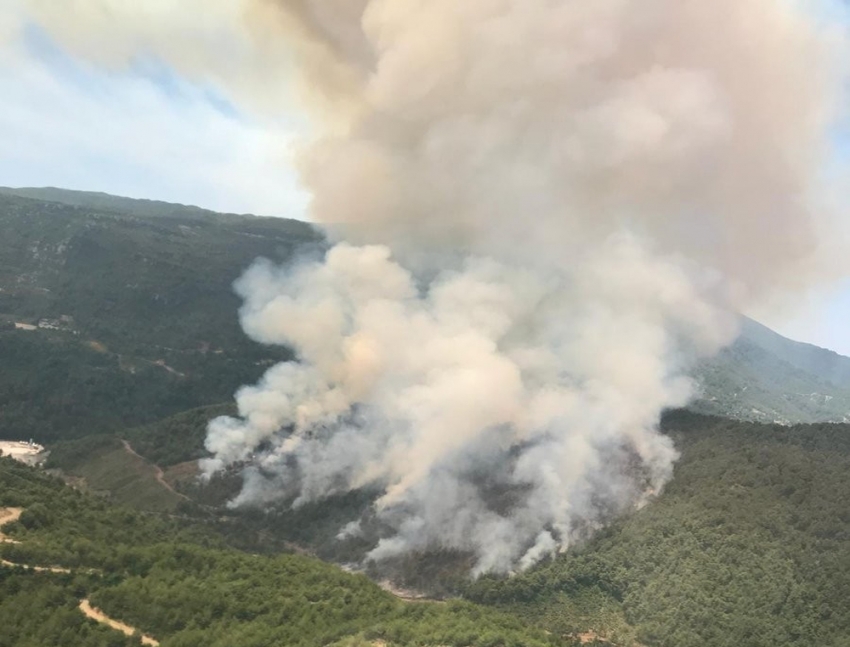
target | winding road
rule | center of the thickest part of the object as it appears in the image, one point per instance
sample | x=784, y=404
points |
x=8, y=515
x=98, y=616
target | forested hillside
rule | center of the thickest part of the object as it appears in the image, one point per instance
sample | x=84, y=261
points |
x=56, y=386
x=141, y=284
x=131, y=344
x=765, y=377
x=748, y=545
x=138, y=320
x=183, y=587
x=135, y=317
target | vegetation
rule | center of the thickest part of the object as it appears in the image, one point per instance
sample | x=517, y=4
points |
x=140, y=346
x=106, y=466
x=139, y=286
x=177, y=439
x=149, y=468
x=180, y=585
x=54, y=387
x=749, y=545
x=138, y=317
x=38, y=609
x=765, y=377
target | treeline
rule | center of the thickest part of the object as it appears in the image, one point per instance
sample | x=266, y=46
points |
x=179, y=438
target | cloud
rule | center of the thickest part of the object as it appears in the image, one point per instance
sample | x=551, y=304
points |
x=141, y=132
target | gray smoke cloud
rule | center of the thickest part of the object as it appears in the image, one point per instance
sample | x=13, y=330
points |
x=551, y=209
x=545, y=379
x=545, y=212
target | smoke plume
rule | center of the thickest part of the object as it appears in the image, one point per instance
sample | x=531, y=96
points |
x=550, y=209
x=545, y=211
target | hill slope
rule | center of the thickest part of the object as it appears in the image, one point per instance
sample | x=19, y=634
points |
x=135, y=316
x=765, y=377
x=181, y=586
x=126, y=279
x=151, y=283
x=748, y=545
x=105, y=202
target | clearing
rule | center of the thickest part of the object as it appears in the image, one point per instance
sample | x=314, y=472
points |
x=158, y=473
x=8, y=515
x=22, y=451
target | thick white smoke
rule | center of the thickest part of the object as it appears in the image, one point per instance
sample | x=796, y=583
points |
x=545, y=379
x=551, y=209
x=566, y=195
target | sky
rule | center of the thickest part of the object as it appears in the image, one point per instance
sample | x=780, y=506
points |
x=142, y=132
x=148, y=130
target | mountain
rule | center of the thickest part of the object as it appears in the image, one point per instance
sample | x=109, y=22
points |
x=105, y=202
x=111, y=319
x=134, y=298
x=766, y=377
x=120, y=340
x=158, y=280
x=150, y=282
x=827, y=364
x=136, y=320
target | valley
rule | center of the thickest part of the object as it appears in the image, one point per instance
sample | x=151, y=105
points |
x=748, y=544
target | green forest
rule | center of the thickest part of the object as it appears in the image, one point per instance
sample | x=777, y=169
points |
x=748, y=545
x=174, y=580
x=142, y=319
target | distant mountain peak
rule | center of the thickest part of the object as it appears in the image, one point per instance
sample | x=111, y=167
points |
x=766, y=377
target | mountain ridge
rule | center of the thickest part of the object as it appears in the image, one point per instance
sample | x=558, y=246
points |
x=133, y=260
x=120, y=204
x=765, y=377
x=747, y=544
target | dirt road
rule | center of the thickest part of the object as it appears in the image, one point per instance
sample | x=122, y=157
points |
x=8, y=515
x=37, y=569
x=160, y=475
x=98, y=616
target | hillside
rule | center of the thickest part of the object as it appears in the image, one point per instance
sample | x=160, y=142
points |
x=748, y=545
x=135, y=298
x=765, y=377
x=132, y=318
x=136, y=345
x=134, y=282
x=179, y=585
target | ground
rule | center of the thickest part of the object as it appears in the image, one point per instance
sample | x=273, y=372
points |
x=98, y=616
x=22, y=451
